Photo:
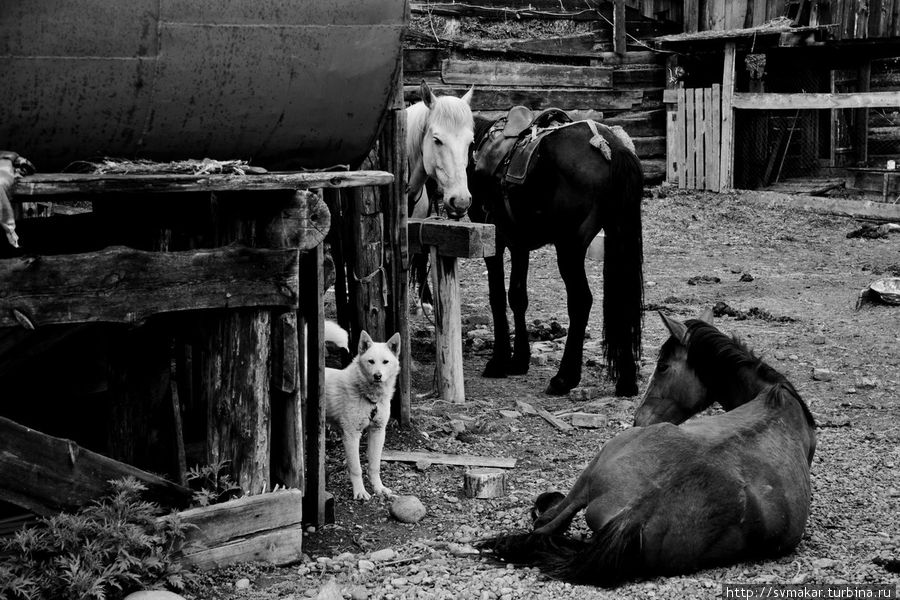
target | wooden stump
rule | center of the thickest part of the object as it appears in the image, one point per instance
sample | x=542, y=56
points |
x=485, y=482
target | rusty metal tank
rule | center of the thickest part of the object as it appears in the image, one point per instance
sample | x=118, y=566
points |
x=283, y=83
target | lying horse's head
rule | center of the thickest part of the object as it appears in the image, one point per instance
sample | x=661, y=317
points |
x=448, y=130
x=675, y=391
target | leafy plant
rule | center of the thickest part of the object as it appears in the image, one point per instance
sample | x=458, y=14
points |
x=212, y=483
x=106, y=549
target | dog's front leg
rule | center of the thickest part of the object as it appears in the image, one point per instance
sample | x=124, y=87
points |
x=376, y=444
x=351, y=450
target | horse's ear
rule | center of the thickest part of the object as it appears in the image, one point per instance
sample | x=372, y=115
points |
x=676, y=328
x=706, y=316
x=427, y=94
x=467, y=97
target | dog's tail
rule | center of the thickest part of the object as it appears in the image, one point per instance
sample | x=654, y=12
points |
x=337, y=335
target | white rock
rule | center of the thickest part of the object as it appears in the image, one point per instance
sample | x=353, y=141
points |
x=407, y=509
x=242, y=584
x=822, y=375
x=365, y=565
x=382, y=555
x=154, y=595
x=330, y=591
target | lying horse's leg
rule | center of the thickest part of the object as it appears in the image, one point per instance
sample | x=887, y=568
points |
x=570, y=260
x=499, y=363
x=518, y=302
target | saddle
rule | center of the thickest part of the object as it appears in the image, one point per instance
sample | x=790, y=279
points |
x=513, y=141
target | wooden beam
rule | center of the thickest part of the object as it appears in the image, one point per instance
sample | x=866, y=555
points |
x=748, y=101
x=619, y=44
x=264, y=527
x=540, y=98
x=453, y=9
x=494, y=73
x=122, y=285
x=452, y=238
x=726, y=163
x=857, y=209
x=46, y=474
x=48, y=184
x=449, y=459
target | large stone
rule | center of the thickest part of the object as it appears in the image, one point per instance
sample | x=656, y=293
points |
x=407, y=509
x=153, y=595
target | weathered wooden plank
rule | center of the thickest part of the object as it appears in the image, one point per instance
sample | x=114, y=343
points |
x=726, y=163
x=454, y=9
x=671, y=144
x=860, y=209
x=418, y=60
x=639, y=77
x=553, y=420
x=646, y=123
x=470, y=72
x=619, y=44
x=575, y=115
x=452, y=238
x=716, y=137
x=265, y=527
x=123, y=285
x=801, y=101
x=78, y=183
x=691, y=138
x=540, y=98
x=649, y=146
x=448, y=366
x=46, y=474
x=449, y=459
x=700, y=138
x=681, y=137
x=691, y=15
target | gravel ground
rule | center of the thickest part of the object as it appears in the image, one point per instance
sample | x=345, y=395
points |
x=796, y=308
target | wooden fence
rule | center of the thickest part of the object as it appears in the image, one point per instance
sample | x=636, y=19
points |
x=695, y=143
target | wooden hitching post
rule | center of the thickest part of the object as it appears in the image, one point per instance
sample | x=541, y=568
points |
x=310, y=333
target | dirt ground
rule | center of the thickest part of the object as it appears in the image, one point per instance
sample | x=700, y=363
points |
x=792, y=278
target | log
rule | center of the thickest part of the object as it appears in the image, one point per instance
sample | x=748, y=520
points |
x=46, y=474
x=123, y=285
x=547, y=416
x=485, y=482
x=540, y=98
x=448, y=459
x=48, y=184
x=452, y=238
x=448, y=368
x=264, y=528
x=494, y=73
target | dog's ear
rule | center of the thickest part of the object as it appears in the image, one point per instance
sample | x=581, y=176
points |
x=365, y=342
x=394, y=344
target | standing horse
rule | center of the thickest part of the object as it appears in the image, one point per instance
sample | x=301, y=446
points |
x=571, y=193
x=663, y=499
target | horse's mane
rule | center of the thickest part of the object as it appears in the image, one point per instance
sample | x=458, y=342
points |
x=716, y=358
x=416, y=119
x=482, y=126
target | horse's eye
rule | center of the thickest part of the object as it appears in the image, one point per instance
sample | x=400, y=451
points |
x=438, y=142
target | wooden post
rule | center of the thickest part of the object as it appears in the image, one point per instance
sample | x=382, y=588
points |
x=367, y=277
x=392, y=158
x=672, y=124
x=864, y=77
x=620, y=45
x=310, y=336
x=726, y=165
x=448, y=320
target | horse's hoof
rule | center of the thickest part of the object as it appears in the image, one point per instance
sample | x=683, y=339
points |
x=558, y=387
x=519, y=366
x=494, y=370
x=626, y=389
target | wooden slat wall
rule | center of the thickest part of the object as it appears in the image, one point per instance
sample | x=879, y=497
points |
x=695, y=140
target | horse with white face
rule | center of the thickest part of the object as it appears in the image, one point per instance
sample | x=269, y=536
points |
x=440, y=131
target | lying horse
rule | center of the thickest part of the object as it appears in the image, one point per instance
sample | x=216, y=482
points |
x=666, y=500
x=569, y=191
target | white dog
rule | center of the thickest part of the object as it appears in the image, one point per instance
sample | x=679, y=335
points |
x=358, y=398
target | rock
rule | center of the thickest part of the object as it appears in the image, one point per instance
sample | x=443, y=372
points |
x=819, y=340
x=823, y=563
x=330, y=591
x=154, y=595
x=399, y=582
x=525, y=408
x=583, y=394
x=407, y=509
x=867, y=383
x=539, y=360
x=510, y=414
x=822, y=375
x=588, y=420
x=746, y=278
x=457, y=425
x=423, y=465
x=242, y=584
x=365, y=565
x=383, y=555
x=359, y=592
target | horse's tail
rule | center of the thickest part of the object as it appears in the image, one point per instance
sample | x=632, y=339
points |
x=611, y=557
x=623, y=274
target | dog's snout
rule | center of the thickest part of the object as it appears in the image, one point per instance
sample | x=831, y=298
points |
x=376, y=376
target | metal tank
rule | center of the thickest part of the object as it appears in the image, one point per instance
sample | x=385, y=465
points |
x=283, y=83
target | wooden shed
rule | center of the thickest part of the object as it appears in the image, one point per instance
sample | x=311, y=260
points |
x=169, y=312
